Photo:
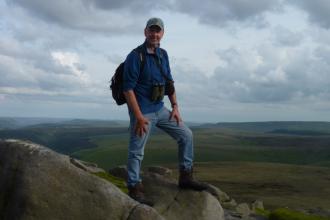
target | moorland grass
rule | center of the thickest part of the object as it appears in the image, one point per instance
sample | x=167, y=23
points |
x=212, y=146
x=120, y=183
x=287, y=214
x=277, y=185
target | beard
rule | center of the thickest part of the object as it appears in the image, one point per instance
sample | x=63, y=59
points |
x=153, y=43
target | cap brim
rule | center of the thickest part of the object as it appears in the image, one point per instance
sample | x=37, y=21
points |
x=155, y=25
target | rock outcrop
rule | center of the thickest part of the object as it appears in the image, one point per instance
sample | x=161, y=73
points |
x=37, y=183
x=173, y=203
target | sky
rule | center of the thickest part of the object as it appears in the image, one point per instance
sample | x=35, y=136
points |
x=232, y=60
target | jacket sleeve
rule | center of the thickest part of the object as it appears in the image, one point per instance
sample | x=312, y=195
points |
x=131, y=71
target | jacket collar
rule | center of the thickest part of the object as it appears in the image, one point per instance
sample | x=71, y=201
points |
x=157, y=49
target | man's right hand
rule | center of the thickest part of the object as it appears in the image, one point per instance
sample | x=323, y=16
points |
x=141, y=126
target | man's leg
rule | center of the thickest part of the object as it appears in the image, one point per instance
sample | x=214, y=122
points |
x=184, y=137
x=135, y=157
x=136, y=152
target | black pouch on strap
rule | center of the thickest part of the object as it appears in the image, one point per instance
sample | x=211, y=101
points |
x=169, y=84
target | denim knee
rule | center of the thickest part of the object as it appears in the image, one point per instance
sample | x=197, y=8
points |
x=186, y=136
x=135, y=155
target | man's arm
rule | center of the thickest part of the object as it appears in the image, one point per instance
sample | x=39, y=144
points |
x=141, y=121
x=175, y=108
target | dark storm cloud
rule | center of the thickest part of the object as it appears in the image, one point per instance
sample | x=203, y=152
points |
x=118, y=16
x=220, y=12
x=61, y=12
x=135, y=6
x=318, y=11
x=79, y=15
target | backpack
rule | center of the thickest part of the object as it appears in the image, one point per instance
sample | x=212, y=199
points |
x=116, y=82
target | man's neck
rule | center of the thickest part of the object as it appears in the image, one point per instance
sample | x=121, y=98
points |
x=151, y=48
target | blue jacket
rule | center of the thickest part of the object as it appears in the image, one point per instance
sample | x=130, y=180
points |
x=142, y=82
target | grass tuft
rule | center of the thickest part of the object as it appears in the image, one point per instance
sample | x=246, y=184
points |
x=263, y=212
x=287, y=214
x=120, y=183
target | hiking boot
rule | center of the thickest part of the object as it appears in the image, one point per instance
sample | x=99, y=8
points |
x=137, y=193
x=186, y=181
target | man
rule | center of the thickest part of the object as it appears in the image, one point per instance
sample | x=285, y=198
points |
x=144, y=91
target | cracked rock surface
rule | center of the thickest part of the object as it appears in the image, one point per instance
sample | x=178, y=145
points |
x=38, y=183
x=174, y=203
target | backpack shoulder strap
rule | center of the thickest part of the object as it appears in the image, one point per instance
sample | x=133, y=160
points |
x=159, y=65
x=162, y=52
x=142, y=55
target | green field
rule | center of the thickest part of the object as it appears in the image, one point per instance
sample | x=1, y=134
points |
x=277, y=185
x=214, y=145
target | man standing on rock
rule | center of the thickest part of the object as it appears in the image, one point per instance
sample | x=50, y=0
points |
x=147, y=78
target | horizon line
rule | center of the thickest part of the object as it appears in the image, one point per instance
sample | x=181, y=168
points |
x=127, y=120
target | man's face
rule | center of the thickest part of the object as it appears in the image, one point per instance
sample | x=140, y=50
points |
x=153, y=35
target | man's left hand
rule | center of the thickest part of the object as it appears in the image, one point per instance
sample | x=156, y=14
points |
x=176, y=115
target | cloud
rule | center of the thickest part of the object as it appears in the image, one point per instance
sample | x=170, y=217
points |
x=269, y=74
x=40, y=60
x=57, y=73
x=127, y=16
x=191, y=84
x=18, y=25
x=71, y=61
x=286, y=37
x=17, y=54
x=115, y=58
x=63, y=51
x=2, y=98
x=221, y=12
x=134, y=6
x=263, y=75
x=320, y=36
x=318, y=11
x=110, y=17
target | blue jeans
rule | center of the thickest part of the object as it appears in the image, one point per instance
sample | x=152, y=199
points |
x=181, y=133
